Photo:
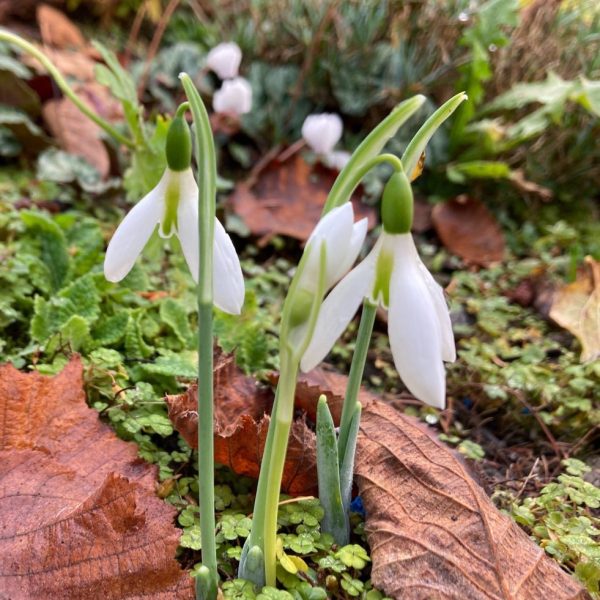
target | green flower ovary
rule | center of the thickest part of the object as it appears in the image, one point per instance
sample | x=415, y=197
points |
x=168, y=224
x=383, y=276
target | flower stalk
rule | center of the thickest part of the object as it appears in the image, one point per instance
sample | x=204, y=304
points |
x=207, y=579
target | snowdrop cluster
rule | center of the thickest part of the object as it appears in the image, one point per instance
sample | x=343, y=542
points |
x=322, y=132
x=235, y=95
x=394, y=277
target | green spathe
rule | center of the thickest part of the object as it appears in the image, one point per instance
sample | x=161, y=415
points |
x=397, y=204
x=178, y=148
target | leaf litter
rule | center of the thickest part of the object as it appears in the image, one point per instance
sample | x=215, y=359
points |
x=80, y=514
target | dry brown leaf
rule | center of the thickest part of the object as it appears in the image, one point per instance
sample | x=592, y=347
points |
x=323, y=381
x=468, y=229
x=433, y=532
x=287, y=199
x=239, y=443
x=576, y=307
x=76, y=133
x=58, y=30
x=80, y=516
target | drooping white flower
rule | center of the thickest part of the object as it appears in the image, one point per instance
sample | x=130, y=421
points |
x=234, y=97
x=173, y=206
x=419, y=327
x=393, y=276
x=322, y=132
x=224, y=59
x=342, y=240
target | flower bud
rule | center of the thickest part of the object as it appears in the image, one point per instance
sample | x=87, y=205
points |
x=225, y=60
x=179, y=145
x=322, y=132
x=234, y=97
x=397, y=204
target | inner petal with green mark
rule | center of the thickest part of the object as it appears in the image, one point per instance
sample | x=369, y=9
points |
x=383, y=275
x=168, y=225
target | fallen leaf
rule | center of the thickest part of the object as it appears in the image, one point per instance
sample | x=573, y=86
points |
x=576, y=307
x=324, y=381
x=287, y=199
x=239, y=444
x=468, y=229
x=433, y=532
x=76, y=133
x=58, y=30
x=422, y=217
x=80, y=516
x=71, y=64
x=241, y=424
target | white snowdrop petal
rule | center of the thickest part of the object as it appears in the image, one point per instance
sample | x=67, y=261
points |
x=442, y=312
x=225, y=60
x=322, y=132
x=234, y=97
x=134, y=231
x=337, y=159
x=228, y=280
x=335, y=229
x=414, y=330
x=357, y=239
x=187, y=221
x=337, y=310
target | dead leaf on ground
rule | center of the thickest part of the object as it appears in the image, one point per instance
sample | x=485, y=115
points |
x=287, y=199
x=58, y=30
x=241, y=430
x=76, y=133
x=324, y=381
x=468, y=229
x=576, y=307
x=433, y=532
x=80, y=515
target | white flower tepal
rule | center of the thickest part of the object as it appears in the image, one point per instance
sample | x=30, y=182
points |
x=173, y=206
x=322, y=132
x=419, y=326
x=234, y=97
x=225, y=60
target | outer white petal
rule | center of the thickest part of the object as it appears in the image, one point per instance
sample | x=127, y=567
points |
x=187, y=221
x=443, y=315
x=225, y=60
x=228, y=281
x=414, y=330
x=439, y=302
x=338, y=309
x=337, y=159
x=322, y=132
x=134, y=231
x=335, y=229
x=357, y=238
x=234, y=97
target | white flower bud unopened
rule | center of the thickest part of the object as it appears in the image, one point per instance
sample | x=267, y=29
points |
x=322, y=132
x=234, y=97
x=225, y=60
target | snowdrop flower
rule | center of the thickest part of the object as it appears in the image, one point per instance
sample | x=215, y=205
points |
x=342, y=240
x=322, y=132
x=225, y=60
x=394, y=277
x=173, y=206
x=234, y=97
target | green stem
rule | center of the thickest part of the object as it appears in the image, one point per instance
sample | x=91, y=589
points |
x=365, y=329
x=207, y=175
x=6, y=36
x=348, y=179
x=281, y=424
